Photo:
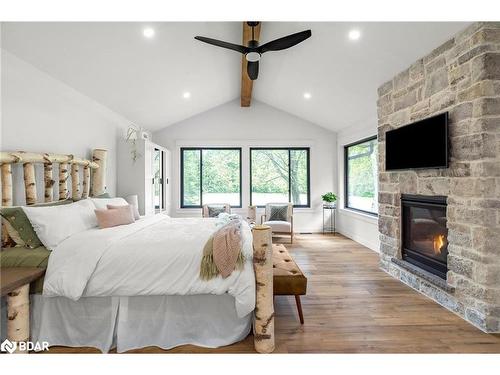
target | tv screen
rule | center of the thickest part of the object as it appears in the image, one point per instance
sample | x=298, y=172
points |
x=423, y=144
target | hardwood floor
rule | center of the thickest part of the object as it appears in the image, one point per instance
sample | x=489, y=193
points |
x=352, y=306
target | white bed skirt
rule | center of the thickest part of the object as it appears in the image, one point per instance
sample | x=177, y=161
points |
x=136, y=322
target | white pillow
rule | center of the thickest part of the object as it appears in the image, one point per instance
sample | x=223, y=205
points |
x=135, y=211
x=102, y=203
x=133, y=200
x=54, y=224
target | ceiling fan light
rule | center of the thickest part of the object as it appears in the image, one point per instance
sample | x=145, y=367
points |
x=252, y=56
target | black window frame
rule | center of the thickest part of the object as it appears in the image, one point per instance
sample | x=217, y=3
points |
x=308, y=151
x=162, y=179
x=346, y=175
x=182, y=149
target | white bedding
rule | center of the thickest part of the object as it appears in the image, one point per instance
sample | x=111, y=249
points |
x=156, y=255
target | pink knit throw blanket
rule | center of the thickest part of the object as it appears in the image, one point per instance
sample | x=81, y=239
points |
x=222, y=253
x=227, y=247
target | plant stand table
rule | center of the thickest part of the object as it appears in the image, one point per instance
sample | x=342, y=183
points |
x=329, y=224
x=15, y=284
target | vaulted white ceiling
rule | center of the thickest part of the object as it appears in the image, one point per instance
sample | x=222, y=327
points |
x=144, y=79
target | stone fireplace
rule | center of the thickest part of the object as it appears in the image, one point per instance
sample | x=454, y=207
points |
x=440, y=228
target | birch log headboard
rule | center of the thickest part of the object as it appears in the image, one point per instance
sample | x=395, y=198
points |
x=94, y=176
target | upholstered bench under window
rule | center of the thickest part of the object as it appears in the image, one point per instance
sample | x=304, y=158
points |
x=288, y=279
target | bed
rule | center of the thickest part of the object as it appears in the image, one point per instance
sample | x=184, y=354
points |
x=138, y=285
x=95, y=321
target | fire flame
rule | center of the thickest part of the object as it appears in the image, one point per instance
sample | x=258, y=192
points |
x=438, y=243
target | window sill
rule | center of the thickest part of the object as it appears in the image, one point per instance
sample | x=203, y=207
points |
x=241, y=210
x=359, y=215
x=304, y=210
x=187, y=210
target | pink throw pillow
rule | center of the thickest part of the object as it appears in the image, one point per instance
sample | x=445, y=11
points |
x=135, y=211
x=113, y=218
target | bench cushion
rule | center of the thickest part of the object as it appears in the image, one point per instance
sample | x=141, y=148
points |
x=288, y=278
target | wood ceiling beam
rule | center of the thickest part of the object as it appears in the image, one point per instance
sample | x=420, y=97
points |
x=247, y=83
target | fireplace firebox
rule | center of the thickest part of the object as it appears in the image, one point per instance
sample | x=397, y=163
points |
x=424, y=233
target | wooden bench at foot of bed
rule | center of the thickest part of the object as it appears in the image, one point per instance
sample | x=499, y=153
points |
x=288, y=278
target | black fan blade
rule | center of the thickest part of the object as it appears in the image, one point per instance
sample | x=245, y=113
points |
x=220, y=43
x=285, y=42
x=253, y=70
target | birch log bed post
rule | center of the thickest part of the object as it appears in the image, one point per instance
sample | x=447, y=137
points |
x=63, y=181
x=86, y=182
x=75, y=181
x=48, y=182
x=264, y=305
x=29, y=183
x=98, y=186
x=18, y=313
x=6, y=184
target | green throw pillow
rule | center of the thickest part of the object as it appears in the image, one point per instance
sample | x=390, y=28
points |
x=278, y=213
x=21, y=224
x=214, y=211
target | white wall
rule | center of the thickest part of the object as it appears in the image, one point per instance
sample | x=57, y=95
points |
x=360, y=227
x=42, y=114
x=258, y=125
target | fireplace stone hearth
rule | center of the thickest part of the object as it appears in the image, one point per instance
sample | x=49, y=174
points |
x=461, y=76
x=437, y=281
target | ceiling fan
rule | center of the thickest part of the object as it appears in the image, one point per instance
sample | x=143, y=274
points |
x=253, y=51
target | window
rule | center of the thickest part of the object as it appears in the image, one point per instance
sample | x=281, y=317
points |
x=279, y=175
x=158, y=162
x=361, y=176
x=210, y=175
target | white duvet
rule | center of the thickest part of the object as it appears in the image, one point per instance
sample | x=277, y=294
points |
x=156, y=255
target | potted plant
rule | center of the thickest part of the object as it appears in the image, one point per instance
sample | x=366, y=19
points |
x=329, y=199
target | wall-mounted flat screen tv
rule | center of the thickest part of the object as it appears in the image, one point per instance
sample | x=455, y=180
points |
x=422, y=144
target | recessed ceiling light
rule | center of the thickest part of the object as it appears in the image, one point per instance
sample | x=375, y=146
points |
x=354, y=34
x=307, y=95
x=186, y=95
x=148, y=32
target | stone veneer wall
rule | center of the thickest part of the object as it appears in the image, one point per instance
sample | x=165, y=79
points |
x=461, y=76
